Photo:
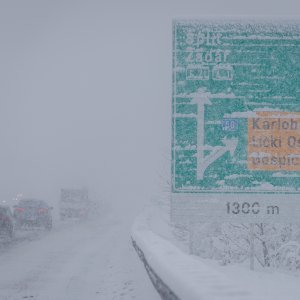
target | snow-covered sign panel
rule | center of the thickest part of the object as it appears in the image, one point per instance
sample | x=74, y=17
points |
x=236, y=107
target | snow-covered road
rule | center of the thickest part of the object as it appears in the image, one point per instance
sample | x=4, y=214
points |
x=90, y=260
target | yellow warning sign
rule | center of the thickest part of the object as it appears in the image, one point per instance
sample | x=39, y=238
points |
x=274, y=141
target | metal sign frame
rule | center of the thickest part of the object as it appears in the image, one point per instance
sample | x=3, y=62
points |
x=235, y=114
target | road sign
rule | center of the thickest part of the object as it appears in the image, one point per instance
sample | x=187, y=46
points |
x=236, y=109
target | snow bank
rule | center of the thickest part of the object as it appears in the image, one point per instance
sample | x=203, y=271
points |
x=185, y=275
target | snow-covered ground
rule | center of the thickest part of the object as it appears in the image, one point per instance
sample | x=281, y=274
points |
x=87, y=260
x=191, y=277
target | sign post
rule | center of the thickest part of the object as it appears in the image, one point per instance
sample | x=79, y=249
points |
x=251, y=247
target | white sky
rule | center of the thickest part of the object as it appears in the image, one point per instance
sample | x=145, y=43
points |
x=85, y=93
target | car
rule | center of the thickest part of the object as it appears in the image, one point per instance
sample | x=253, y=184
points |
x=6, y=221
x=74, y=203
x=33, y=213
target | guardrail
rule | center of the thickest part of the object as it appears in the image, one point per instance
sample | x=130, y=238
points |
x=164, y=291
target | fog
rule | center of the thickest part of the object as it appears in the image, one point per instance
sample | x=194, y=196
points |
x=85, y=97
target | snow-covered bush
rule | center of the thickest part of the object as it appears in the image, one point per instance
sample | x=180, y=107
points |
x=275, y=245
x=288, y=256
x=219, y=241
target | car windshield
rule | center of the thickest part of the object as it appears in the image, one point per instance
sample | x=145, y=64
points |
x=3, y=210
x=30, y=202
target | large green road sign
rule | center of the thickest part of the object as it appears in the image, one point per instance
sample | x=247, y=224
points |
x=236, y=104
x=236, y=107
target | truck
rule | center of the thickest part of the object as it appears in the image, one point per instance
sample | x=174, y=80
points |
x=74, y=203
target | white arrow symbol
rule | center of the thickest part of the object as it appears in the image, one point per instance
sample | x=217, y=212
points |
x=230, y=145
x=201, y=100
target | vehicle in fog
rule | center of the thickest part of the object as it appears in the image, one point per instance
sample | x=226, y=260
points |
x=74, y=203
x=33, y=213
x=6, y=221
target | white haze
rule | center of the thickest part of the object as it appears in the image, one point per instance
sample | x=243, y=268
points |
x=85, y=94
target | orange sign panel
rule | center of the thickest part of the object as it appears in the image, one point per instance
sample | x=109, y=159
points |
x=274, y=141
